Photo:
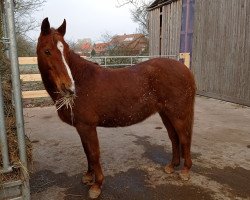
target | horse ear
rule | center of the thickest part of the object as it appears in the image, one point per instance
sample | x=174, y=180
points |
x=45, y=28
x=62, y=28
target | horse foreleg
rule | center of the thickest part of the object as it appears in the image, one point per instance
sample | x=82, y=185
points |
x=89, y=177
x=91, y=147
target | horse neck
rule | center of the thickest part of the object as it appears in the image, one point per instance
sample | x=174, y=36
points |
x=80, y=68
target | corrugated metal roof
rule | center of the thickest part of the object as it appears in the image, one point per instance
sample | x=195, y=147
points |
x=159, y=3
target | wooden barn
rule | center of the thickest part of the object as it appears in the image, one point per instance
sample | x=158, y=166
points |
x=170, y=26
x=216, y=33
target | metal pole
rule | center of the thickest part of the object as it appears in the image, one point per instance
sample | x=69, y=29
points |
x=17, y=96
x=5, y=39
x=3, y=137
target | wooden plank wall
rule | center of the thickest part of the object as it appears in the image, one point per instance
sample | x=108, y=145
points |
x=154, y=32
x=171, y=28
x=221, y=49
x=170, y=32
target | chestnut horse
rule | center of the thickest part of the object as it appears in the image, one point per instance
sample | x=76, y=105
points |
x=117, y=97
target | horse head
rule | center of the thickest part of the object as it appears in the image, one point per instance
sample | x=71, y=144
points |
x=53, y=58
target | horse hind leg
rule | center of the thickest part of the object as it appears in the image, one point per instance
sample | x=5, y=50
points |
x=184, y=130
x=175, y=144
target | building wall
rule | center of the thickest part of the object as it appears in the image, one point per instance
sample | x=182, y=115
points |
x=154, y=32
x=221, y=49
x=187, y=25
x=164, y=29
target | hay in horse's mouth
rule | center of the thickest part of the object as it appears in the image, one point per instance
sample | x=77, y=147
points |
x=66, y=100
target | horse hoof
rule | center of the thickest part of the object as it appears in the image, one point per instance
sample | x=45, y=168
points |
x=88, y=179
x=184, y=175
x=169, y=169
x=94, y=191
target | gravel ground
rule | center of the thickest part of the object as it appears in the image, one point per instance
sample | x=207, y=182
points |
x=133, y=158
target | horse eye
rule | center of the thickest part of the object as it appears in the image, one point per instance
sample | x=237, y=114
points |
x=47, y=53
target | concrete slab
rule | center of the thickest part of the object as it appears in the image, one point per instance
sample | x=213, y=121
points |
x=133, y=158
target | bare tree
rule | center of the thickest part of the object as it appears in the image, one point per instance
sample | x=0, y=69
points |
x=72, y=44
x=24, y=22
x=138, y=13
x=24, y=15
x=106, y=37
x=25, y=47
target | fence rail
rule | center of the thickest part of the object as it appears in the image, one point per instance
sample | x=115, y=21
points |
x=117, y=61
x=105, y=61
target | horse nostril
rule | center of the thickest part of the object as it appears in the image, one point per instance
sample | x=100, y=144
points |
x=70, y=91
x=66, y=89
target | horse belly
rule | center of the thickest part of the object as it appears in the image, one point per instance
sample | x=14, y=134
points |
x=127, y=116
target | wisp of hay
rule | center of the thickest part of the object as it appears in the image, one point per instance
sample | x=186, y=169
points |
x=67, y=100
x=10, y=124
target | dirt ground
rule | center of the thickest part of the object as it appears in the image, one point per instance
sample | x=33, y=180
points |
x=133, y=158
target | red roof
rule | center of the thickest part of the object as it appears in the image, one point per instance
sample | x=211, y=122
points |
x=86, y=46
x=99, y=47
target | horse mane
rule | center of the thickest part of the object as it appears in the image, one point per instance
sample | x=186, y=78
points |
x=76, y=56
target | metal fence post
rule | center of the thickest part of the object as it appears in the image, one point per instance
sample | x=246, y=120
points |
x=15, y=78
x=5, y=40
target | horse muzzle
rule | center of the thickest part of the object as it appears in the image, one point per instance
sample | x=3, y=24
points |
x=68, y=90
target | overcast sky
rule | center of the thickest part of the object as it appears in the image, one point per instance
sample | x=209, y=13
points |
x=87, y=18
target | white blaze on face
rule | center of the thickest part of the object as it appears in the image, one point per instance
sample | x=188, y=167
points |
x=61, y=47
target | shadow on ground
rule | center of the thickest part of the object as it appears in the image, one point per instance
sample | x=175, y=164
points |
x=125, y=185
x=133, y=183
